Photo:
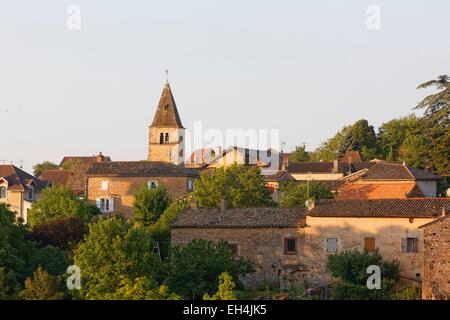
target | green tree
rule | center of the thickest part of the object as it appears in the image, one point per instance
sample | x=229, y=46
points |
x=436, y=122
x=60, y=202
x=70, y=164
x=42, y=286
x=143, y=288
x=295, y=195
x=299, y=154
x=240, y=186
x=193, y=270
x=360, y=136
x=149, y=204
x=225, y=289
x=114, y=251
x=38, y=168
x=350, y=269
x=160, y=231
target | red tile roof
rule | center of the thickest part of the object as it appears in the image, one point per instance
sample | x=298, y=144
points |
x=378, y=191
x=414, y=207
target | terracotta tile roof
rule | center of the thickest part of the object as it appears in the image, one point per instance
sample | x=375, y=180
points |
x=18, y=180
x=278, y=176
x=417, y=207
x=378, y=191
x=83, y=159
x=167, y=113
x=139, y=168
x=397, y=171
x=56, y=177
x=241, y=218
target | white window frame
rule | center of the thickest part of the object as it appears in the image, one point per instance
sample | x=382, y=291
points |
x=105, y=185
x=190, y=185
x=106, y=205
x=6, y=192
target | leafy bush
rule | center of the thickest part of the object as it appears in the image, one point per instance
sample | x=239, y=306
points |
x=149, y=204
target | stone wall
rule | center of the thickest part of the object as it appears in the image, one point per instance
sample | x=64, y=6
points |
x=436, y=260
x=263, y=246
x=121, y=189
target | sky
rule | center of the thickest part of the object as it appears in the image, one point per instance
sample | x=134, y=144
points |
x=306, y=68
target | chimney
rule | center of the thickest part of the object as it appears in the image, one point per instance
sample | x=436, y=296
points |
x=223, y=205
x=194, y=204
x=310, y=204
x=99, y=157
x=335, y=166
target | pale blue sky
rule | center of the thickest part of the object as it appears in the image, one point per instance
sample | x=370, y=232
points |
x=305, y=67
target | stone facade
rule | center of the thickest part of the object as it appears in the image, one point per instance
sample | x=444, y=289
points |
x=121, y=189
x=263, y=246
x=436, y=260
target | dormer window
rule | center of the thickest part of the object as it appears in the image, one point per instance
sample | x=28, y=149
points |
x=30, y=194
x=166, y=107
x=2, y=192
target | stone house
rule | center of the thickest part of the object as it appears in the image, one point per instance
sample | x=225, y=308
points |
x=273, y=238
x=436, y=258
x=19, y=190
x=111, y=185
x=74, y=177
x=326, y=227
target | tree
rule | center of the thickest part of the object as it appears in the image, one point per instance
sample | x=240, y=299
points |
x=64, y=233
x=295, y=195
x=240, y=186
x=114, y=251
x=360, y=136
x=149, y=204
x=193, y=270
x=160, y=231
x=350, y=268
x=143, y=288
x=436, y=122
x=299, y=154
x=38, y=168
x=42, y=287
x=225, y=289
x=60, y=202
x=52, y=259
x=70, y=164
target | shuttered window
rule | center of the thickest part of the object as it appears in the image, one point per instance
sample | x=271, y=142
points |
x=332, y=245
x=369, y=244
x=105, y=204
x=410, y=245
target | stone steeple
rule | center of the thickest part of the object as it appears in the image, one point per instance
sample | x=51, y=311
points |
x=167, y=113
x=166, y=133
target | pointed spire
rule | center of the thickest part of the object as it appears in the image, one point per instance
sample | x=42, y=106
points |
x=167, y=113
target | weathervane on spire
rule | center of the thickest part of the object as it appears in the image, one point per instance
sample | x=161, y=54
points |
x=167, y=75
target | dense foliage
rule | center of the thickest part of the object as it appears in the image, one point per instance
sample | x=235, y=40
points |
x=295, y=194
x=60, y=202
x=350, y=269
x=42, y=286
x=149, y=204
x=38, y=168
x=239, y=186
x=193, y=270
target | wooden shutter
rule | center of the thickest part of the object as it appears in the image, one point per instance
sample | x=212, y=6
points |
x=111, y=204
x=369, y=244
x=404, y=245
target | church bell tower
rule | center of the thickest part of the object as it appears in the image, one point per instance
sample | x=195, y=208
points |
x=166, y=133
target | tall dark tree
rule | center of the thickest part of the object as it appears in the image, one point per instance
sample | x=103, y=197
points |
x=436, y=122
x=299, y=154
x=46, y=165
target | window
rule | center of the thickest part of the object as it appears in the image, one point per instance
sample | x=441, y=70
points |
x=290, y=246
x=369, y=244
x=332, y=245
x=105, y=185
x=234, y=247
x=152, y=184
x=30, y=193
x=167, y=138
x=2, y=192
x=410, y=245
x=105, y=204
x=166, y=107
x=190, y=185
x=161, y=138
